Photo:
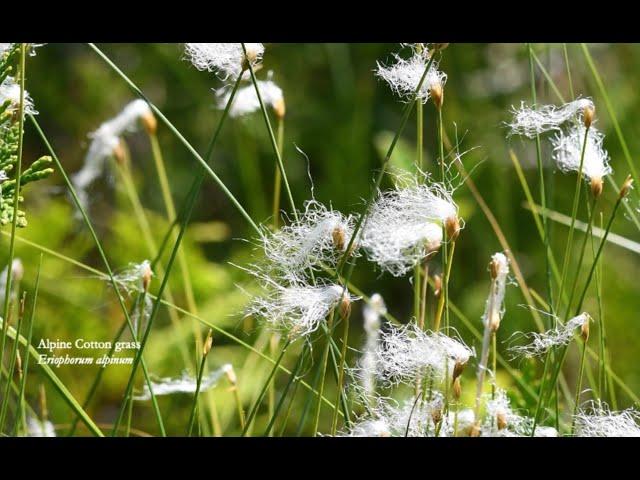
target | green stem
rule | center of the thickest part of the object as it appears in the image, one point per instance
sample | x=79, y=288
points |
x=574, y=213
x=277, y=179
x=203, y=163
x=21, y=416
x=442, y=301
x=343, y=362
x=325, y=359
x=254, y=410
x=103, y=257
x=10, y=371
x=543, y=197
x=576, y=402
x=272, y=137
x=194, y=407
x=583, y=249
x=16, y=198
x=292, y=378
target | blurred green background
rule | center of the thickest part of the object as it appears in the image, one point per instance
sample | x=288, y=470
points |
x=343, y=118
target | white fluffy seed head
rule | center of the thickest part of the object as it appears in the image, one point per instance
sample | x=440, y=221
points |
x=404, y=75
x=224, y=59
x=39, y=428
x=405, y=225
x=597, y=420
x=298, y=309
x=182, y=384
x=10, y=92
x=134, y=276
x=246, y=100
x=376, y=427
x=560, y=335
x=530, y=122
x=319, y=236
x=407, y=351
x=409, y=418
x=501, y=421
x=567, y=152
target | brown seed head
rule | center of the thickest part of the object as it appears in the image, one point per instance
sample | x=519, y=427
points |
x=458, y=368
x=345, y=305
x=146, y=278
x=437, y=93
x=596, y=186
x=437, y=285
x=501, y=420
x=208, y=343
x=452, y=227
x=280, y=108
x=626, y=186
x=150, y=123
x=494, y=320
x=588, y=115
x=584, y=330
x=474, y=431
x=457, y=388
x=436, y=416
x=338, y=237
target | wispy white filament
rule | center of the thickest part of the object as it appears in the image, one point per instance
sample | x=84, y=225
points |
x=246, y=100
x=530, y=121
x=183, y=384
x=132, y=277
x=408, y=351
x=600, y=421
x=404, y=75
x=298, y=309
x=10, y=92
x=104, y=142
x=320, y=235
x=224, y=59
x=405, y=225
x=567, y=152
x=560, y=335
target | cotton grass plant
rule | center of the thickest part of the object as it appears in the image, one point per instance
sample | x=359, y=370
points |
x=430, y=371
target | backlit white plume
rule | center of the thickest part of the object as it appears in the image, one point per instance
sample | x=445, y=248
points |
x=404, y=75
x=182, y=384
x=408, y=351
x=10, y=92
x=298, y=309
x=560, y=335
x=246, y=101
x=530, y=121
x=600, y=421
x=320, y=235
x=567, y=152
x=224, y=59
x=405, y=225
